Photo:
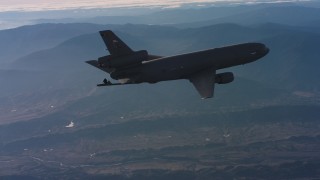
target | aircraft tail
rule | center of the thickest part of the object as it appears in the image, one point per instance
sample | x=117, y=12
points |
x=115, y=45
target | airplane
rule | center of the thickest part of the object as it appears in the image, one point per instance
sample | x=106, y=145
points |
x=134, y=67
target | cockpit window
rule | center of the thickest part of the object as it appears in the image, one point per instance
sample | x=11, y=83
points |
x=253, y=53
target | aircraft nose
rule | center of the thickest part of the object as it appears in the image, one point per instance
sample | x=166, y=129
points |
x=265, y=50
x=258, y=51
x=262, y=50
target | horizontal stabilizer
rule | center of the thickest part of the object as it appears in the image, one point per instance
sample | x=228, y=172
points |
x=108, y=83
x=96, y=64
x=113, y=84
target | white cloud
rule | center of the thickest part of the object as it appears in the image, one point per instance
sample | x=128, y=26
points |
x=37, y=5
x=71, y=125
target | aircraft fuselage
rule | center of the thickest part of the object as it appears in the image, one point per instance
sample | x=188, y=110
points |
x=184, y=65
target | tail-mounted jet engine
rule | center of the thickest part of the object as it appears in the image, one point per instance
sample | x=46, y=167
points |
x=117, y=62
x=224, y=78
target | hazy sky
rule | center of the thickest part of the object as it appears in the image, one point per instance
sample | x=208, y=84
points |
x=8, y=5
x=31, y=5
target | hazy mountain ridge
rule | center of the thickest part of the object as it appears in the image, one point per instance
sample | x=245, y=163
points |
x=283, y=13
x=160, y=16
x=21, y=41
x=287, y=15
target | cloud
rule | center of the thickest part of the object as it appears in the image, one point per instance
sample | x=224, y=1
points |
x=43, y=5
x=37, y=5
x=71, y=125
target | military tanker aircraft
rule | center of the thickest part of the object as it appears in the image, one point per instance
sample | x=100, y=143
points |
x=134, y=67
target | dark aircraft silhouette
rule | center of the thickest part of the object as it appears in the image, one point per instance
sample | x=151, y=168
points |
x=133, y=67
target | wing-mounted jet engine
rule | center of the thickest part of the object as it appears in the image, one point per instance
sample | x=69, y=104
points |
x=224, y=78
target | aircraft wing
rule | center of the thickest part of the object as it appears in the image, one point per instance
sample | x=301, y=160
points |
x=204, y=82
x=114, y=44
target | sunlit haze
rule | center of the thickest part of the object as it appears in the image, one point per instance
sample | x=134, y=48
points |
x=38, y=5
x=34, y=5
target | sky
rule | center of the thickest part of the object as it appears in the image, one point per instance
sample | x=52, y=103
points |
x=40, y=5
x=35, y=5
